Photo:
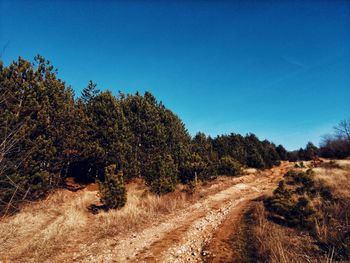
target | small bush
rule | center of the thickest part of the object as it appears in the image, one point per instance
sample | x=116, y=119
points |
x=198, y=169
x=193, y=168
x=112, y=189
x=255, y=160
x=161, y=175
x=295, y=200
x=305, y=202
x=229, y=166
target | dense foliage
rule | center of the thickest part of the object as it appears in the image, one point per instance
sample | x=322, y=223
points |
x=337, y=145
x=48, y=134
x=307, y=203
x=112, y=189
x=229, y=166
x=311, y=152
x=293, y=201
x=248, y=150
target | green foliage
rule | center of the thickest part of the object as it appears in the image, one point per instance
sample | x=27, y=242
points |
x=46, y=135
x=295, y=201
x=89, y=92
x=36, y=108
x=254, y=159
x=161, y=175
x=155, y=130
x=229, y=166
x=112, y=189
x=309, y=153
x=282, y=152
x=248, y=150
x=192, y=169
x=306, y=203
x=202, y=145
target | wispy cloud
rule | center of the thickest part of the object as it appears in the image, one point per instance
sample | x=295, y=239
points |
x=293, y=61
x=303, y=68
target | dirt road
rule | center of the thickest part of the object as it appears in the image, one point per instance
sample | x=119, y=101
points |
x=181, y=237
x=170, y=228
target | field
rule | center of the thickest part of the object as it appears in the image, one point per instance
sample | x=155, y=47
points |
x=171, y=227
x=223, y=221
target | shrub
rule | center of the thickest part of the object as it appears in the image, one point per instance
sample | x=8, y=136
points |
x=294, y=201
x=255, y=160
x=112, y=189
x=198, y=169
x=194, y=167
x=229, y=166
x=210, y=172
x=161, y=175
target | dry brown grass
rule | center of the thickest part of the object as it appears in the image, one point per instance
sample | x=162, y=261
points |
x=276, y=243
x=337, y=178
x=61, y=222
x=142, y=207
x=40, y=228
x=334, y=230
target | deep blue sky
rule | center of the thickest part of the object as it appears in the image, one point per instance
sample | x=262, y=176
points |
x=279, y=69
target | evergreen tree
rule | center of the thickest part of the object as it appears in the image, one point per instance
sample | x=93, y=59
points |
x=161, y=176
x=282, y=152
x=89, y=92
x=301, y=154
x=254, y=159
x=311, y=151
x=269, y=154
x=47, y=135
x=38, y=107
x=195, y=169
x=108, y=133
x=229, y=166
x=155, y=131
x=254, y=152
x=112, y=189
x=203, y=146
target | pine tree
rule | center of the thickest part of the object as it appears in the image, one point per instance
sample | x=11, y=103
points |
x=106, y=141
x=38, y=107
x=161, y=175
x=311, y=151
x=254, y=159
x=194, y=169
x=89, y=92
x=229, y=166
x=112, y=189
x=282, y=152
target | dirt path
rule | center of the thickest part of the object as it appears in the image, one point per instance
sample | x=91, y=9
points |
x=219, y=249
x=182, y=236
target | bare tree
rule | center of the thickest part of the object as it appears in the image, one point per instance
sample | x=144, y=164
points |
x=342, y=130
x=8, y=142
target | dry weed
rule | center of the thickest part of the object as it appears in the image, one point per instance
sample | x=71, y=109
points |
x=277, y=243
x=62, y=221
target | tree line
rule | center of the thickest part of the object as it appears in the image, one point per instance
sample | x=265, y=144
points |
x=337, y=145
x=48, y=133
x=333, y=146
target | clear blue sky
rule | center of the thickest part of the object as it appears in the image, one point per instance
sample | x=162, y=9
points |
x=279, y=69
